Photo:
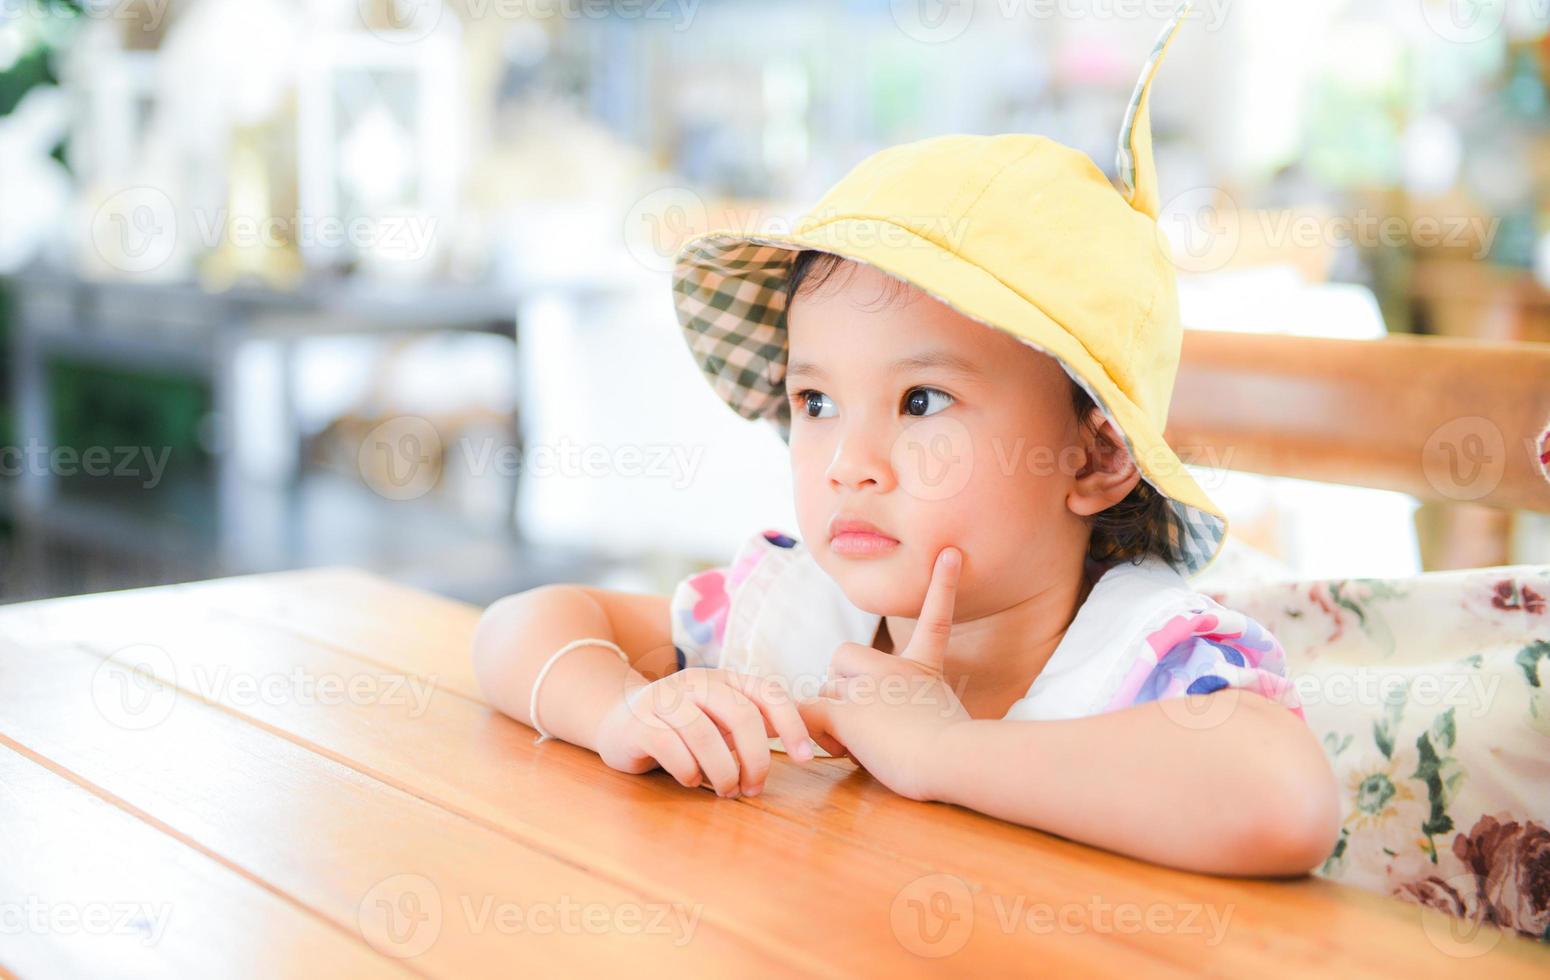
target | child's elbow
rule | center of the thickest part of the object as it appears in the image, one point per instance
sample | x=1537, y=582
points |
x=1300, y=819
x=495, y=641
x=1303, y=841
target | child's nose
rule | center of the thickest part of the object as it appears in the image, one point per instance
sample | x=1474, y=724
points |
x=863, y=457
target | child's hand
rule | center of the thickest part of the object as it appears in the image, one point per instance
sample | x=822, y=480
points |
x=704, y=725
x=928, y=644
x=888, y=712
x=891, y=730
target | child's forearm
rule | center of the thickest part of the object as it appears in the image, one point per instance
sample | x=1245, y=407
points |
x=1248, y=791
x=517, y=634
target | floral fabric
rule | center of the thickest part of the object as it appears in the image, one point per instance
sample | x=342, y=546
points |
x=1432, y=697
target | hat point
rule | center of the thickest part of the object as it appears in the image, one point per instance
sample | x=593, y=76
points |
x=1134, y=163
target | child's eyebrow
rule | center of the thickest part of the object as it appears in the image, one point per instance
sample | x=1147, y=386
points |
x=944, y=359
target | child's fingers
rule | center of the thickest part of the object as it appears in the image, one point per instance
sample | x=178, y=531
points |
x=832, y=747
x=667, y=747
x=856, y=659
x=704, y=741
x=740, y=718
x=928, y=644
x=835, y=687
x=816, y=714
x=781, y=716
x=822, y=713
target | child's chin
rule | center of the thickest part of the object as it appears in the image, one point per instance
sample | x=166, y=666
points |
x=874, y=589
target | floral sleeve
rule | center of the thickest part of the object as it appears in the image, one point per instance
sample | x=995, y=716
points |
x=702, y=602
x=1203, y=648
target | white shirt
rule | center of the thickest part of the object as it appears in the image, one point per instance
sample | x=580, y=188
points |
x=1141, y=633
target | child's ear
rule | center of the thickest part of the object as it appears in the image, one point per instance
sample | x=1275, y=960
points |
x=1107, y=473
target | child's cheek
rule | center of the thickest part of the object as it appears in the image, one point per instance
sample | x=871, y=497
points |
x=936, y=460
x=811, y=502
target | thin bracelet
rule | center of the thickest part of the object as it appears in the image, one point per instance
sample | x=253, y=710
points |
x=532, y=707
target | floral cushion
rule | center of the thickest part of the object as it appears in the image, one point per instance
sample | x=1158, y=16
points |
x=1432, y=697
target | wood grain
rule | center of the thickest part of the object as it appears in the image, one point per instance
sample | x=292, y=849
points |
x=92, y=892
x=648, y=832
x=1440, y=419
x=825, y=873
x=417, y=882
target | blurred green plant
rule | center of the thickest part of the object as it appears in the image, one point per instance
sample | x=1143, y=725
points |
x=30, y=35
x=104, y=406
x=38, y=29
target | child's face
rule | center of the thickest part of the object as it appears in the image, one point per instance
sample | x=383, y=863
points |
x=983, y=453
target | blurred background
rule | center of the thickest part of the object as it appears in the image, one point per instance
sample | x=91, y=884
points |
x=287, y=283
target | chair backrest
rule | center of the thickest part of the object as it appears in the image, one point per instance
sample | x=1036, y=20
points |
x=1445, y=420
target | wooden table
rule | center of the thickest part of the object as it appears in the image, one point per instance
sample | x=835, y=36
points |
x=295, y=772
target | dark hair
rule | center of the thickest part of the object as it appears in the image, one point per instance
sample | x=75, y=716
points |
x=1138, y=526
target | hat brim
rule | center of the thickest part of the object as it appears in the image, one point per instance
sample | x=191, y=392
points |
x=729, y=289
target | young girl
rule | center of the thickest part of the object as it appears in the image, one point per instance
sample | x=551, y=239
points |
x=970, y=346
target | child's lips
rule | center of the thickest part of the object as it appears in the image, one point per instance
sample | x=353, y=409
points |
x=861, y=544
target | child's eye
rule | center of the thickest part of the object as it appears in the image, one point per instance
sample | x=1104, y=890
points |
x=812, y=404
x=917, y=401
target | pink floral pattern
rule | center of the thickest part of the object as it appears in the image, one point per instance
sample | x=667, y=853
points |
x=702, y=601
x=1204, y=650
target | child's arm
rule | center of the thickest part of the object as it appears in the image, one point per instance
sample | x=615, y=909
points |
x=1228, y=782
x=518, y=633
x=1225, y=783
x=688, y=722
x=1242, y=787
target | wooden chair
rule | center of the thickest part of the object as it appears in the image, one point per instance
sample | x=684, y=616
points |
x=1447, y=421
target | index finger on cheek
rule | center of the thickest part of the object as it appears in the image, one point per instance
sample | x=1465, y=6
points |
x=928, y=644
x=942, y=590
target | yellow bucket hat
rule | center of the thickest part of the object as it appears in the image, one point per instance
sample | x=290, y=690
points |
x=1016, y=231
